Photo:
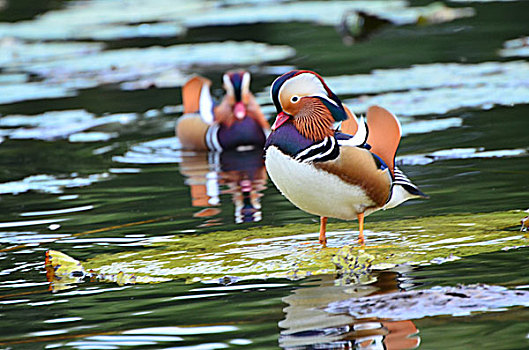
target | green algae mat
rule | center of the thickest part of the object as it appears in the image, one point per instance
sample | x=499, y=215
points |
x=293, y=251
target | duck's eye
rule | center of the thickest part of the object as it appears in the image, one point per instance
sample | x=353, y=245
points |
x=294, y=99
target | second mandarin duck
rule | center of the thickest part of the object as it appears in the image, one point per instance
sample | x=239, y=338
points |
x=343, y=174
x=236, y=123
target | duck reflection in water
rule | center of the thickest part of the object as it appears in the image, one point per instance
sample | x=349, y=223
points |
x=308, y=326
x=241, y=174
x=234, y=132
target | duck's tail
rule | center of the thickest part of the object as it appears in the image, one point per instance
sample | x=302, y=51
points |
x=402, y=190
x=384, y=134
x=196, y=97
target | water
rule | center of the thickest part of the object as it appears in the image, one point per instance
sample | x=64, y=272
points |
x=109, y=181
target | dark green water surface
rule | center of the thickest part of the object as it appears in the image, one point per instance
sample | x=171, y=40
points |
x=253, y=314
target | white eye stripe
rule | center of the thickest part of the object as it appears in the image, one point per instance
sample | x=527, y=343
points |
x=324, y=96
x=228, y=85
x=245, y=82
x=304, y=85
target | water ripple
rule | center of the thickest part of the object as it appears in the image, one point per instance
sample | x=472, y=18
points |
x=58, y=211
x=49, y=183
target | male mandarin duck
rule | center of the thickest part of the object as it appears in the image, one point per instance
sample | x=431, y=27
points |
x=327, y=172
x=236, y=123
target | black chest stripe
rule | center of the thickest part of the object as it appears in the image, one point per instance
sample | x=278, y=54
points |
x=328, y=149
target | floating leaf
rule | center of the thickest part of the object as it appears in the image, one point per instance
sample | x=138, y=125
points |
x=293, y=251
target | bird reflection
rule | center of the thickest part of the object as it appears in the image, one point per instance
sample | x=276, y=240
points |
x=308, y=326
x=238, y=173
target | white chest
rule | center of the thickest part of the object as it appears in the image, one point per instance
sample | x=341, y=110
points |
x=313, y=190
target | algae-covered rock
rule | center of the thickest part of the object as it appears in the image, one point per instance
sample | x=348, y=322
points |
x=293, y=251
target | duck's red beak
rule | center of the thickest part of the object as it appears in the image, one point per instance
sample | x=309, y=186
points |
x=282, y=117
x=239, y=110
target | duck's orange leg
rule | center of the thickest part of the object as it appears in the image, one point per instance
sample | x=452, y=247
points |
x=323, y=229
x=361, y=239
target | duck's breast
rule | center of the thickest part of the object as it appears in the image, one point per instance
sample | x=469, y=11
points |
x=245, y=132
x=312, y=188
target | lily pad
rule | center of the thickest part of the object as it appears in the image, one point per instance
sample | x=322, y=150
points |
x=293, y=251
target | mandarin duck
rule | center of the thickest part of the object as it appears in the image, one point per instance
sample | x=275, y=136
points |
x=344, y=174
x=237, y=123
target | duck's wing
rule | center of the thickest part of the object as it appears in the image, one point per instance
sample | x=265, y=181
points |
x=384, y=134
x=358, y=167
x=196, y=97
